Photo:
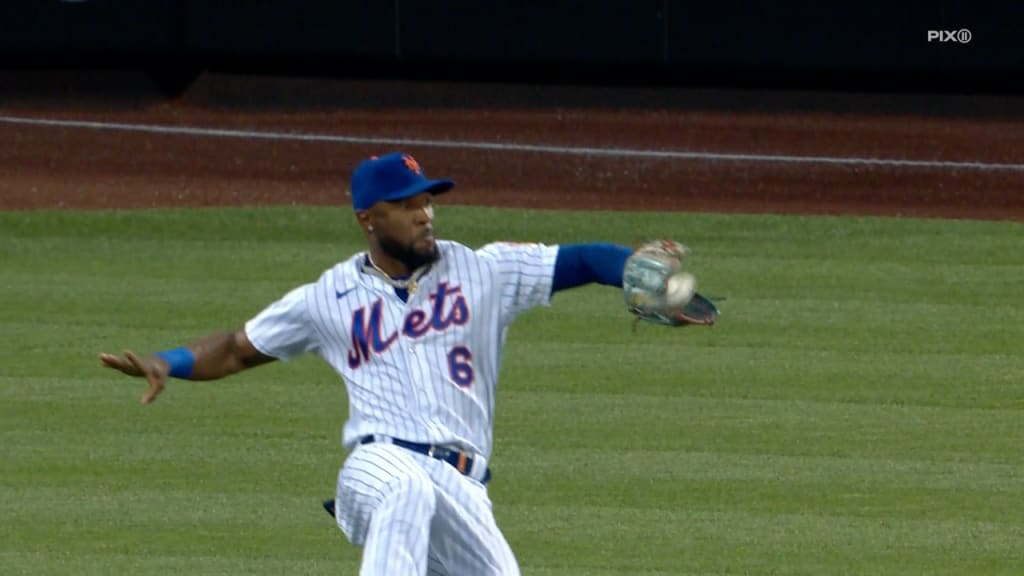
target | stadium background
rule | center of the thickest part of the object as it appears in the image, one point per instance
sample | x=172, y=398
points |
x=856, y=412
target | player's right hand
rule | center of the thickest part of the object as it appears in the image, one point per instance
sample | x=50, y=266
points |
x=153, y=369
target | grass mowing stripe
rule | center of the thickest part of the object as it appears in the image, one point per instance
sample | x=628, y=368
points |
x=764, y=543
x=140, y=561
x=992, y=382
x=784, y=427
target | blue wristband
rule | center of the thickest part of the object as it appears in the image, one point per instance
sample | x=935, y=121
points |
x=180, y=360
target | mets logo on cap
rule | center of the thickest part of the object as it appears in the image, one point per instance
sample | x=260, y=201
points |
x=412, y=164
x=390, y=178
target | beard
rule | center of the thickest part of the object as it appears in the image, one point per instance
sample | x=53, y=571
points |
x=407, y=253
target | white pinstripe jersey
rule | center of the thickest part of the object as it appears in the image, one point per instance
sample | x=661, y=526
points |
x=425, y=370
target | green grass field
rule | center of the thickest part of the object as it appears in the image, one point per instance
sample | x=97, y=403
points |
x=858, y=410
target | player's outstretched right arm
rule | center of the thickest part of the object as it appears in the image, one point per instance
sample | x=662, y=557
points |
x=216, y=356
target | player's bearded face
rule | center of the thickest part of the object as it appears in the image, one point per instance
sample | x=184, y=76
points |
x=413, y=241
x=414, y=254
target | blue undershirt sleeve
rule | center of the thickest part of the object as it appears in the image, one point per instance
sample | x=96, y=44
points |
x=579, y=264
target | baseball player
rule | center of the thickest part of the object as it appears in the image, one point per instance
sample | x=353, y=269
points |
x=415, y=327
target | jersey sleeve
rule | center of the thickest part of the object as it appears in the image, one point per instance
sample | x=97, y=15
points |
x=285, y=329
x=525, y=273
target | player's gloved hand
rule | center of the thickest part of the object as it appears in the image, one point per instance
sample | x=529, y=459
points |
x=645, y=282
x=155, y=370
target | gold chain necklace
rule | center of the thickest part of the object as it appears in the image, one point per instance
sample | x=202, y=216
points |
x=411, y=285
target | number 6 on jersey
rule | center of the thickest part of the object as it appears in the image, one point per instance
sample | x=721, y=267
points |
x=460, y=366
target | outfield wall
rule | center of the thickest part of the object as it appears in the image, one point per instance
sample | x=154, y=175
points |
x=950, y=45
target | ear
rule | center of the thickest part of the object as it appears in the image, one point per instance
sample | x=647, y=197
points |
x=364, y=219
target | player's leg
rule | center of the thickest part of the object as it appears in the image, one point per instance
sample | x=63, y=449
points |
x=464, y=535
x=385, y=503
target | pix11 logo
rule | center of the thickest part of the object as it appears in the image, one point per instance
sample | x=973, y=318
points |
x=961, y=36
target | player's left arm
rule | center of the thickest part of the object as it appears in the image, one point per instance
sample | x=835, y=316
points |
x=282, y=330
x=216, y=356
x=580, y=264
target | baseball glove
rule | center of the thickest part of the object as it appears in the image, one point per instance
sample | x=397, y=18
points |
x=645, y=281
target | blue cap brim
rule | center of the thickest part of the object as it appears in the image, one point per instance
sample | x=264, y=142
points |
x=435, y=187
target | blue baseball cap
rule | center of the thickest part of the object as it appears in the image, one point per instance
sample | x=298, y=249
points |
x=389, y=178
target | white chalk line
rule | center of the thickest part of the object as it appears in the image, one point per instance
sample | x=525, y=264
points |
x=852, y=161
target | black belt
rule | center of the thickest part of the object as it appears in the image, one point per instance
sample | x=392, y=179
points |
x=459, y=460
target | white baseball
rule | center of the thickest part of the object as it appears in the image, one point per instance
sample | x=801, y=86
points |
x=680, y=288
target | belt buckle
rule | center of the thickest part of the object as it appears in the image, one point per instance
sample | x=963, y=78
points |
x=430, y=451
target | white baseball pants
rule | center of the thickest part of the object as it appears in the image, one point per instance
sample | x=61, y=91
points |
x=416, y=515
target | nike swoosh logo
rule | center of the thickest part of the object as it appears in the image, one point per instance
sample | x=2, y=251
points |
x=341, y=295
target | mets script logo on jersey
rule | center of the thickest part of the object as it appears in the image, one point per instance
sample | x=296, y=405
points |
x=449, y=308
